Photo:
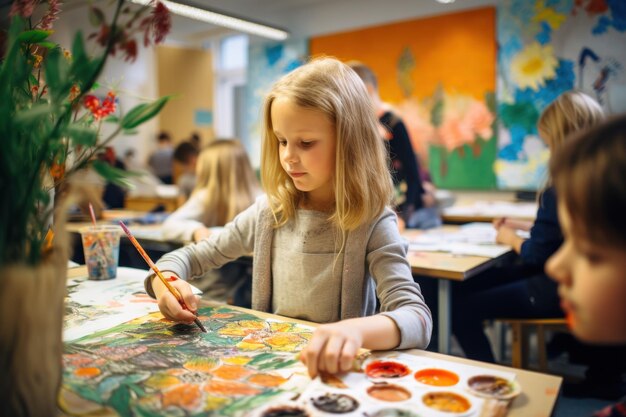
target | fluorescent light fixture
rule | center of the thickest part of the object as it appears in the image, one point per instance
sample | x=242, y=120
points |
x=223, y=20
x=445, y=1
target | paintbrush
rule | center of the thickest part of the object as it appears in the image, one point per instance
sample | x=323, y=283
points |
x=158, y=273
x=100, y=244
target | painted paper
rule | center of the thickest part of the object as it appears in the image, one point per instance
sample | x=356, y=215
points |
x=151, y=367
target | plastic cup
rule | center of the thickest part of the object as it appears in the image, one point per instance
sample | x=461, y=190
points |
x=101, y=245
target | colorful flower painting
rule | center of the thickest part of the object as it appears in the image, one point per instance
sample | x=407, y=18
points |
x=150, y=366
x=548, y=47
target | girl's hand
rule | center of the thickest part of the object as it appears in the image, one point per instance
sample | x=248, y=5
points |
x=499, y=222
x=169, y=305
x=508, y=236
x=332, y=349
x=201, y=233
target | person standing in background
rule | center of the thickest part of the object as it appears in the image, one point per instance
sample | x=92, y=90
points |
x=161, y=160
x=418, y=210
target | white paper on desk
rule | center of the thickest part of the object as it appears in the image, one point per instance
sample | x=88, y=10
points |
x=92, y=306
x=462, y=249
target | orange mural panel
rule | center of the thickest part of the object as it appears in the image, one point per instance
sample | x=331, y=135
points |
x=456, y=50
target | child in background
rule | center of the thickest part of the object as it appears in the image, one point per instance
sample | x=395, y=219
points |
x=589, y=175
x=225, y=186
x=325, y=242
x=185, y=158
x=523, y=290
x=418, y=210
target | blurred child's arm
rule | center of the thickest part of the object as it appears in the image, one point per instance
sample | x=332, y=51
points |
x=334, y=346
x=508, y=236
x=182, y=224
x=512, y=223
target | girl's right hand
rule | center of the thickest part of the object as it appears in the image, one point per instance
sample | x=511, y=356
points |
x=169, y=305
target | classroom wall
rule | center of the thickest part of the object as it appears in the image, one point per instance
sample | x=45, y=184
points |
x=187, y=75
x=439, y=73
x=545, y=51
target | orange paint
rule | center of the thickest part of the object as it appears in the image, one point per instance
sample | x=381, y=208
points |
x=386, y=369
x=447, y=401
x=184, y=396
x=230, y=388
x=437, y=377
x=389, y=393
x=231, y=372
x=87, y=372
x=267, y=380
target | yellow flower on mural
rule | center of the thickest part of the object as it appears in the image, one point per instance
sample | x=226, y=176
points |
x=533, y=66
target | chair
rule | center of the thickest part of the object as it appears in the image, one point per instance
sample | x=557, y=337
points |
x=520, y=345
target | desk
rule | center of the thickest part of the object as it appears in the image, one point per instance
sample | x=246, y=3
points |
x=149, y=203
x=486, y=211
x=538, y=398
x=445, y=266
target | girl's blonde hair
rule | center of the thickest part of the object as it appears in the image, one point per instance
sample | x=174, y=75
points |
x=571, y=112
x=224, y=171
x=362, y=181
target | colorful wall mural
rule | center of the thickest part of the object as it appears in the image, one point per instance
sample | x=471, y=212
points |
x=439, y=73
x=548, y=47
x=267, y=62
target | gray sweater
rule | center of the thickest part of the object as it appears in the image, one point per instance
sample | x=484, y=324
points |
x=374, y=264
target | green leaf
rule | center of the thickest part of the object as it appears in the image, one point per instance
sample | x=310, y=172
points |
x=34, y=114
x=112, y=119
x=47, y=44
x=143, y=112
x=57, y=71
x=82, y=134
x=114, y=175
x=34, y=36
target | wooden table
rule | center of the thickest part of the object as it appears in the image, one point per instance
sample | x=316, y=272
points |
x=487, y=211
x=447, y=267
x=539, y=391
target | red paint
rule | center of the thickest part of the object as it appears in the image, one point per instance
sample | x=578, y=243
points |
x=386, y=369
x=171, y=278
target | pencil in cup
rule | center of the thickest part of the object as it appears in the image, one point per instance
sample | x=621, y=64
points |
x=158, y=273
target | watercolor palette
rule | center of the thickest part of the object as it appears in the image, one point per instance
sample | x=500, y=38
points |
x=402, y=385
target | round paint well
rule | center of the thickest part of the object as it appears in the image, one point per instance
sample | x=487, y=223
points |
x=386, y=369
x=437, y=377
x=389, y=393
x=449, y=402
x=335, y=403
x=285, y=411
x=493, y=387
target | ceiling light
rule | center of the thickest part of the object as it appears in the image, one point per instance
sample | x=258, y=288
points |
x=223, y=20
x=445, y=1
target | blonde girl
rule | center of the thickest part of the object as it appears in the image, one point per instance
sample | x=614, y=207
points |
x=571, y=112
x=225, y=186
x=325, y=243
